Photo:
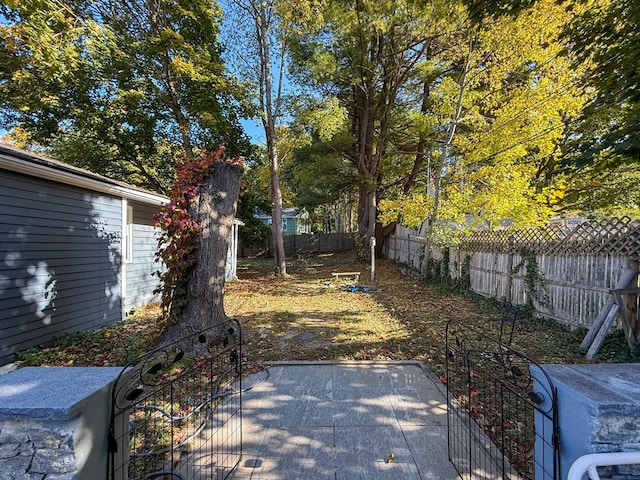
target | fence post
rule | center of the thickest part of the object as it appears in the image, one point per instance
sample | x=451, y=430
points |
x=508, y=290
x=630, y=302
x=509, y=287
x=395, y=248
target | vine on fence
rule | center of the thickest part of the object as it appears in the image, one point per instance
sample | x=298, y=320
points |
x=533, y=278
x=445, y=274
x=438, y=270
x=464, y=283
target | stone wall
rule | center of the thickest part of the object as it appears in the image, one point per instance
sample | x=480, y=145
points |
x=32, y=449
x=598, y=412
x=54, y=423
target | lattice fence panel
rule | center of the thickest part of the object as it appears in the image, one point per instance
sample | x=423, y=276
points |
x=617, y=236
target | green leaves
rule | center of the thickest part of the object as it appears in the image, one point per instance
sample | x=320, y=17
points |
x=605, y=37
x=129, y=76
x=327, y=118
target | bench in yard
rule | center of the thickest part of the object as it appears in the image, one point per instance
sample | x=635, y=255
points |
x=354, y=275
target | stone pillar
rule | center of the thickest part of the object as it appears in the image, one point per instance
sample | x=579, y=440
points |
x=54, y=422
x=598, y=412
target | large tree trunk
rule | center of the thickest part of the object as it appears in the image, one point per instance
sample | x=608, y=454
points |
x=214, y=211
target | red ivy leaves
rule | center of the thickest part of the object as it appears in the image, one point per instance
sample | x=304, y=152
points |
x=179, y=238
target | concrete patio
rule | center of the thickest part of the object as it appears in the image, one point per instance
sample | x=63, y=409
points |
x=344, y=421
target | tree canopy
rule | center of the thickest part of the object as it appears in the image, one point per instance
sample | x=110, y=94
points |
x=460, y=113
x=119, y=87
x=444, y=116
x=605, y=38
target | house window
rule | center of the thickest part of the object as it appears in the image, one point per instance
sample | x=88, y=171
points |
x=128, y=236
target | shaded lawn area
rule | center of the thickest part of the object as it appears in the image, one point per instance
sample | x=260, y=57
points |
x=311, y=316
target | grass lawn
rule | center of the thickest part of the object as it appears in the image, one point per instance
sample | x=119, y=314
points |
x=311, y=316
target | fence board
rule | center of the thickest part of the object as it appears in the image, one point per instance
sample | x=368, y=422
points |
x=306, y=243
x=578, y=266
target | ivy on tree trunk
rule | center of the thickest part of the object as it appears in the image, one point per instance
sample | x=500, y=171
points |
x=198, y=305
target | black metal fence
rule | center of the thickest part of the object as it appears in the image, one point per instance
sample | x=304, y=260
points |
x=496, y=399
x=179, y=416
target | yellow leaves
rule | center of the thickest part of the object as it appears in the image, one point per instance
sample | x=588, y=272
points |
x=495, y=193
x=186, y=69
x=303, y=15
x=207, y=118
x=18, y=137
x=170, y=35
x=411, y=210
x=445, y=97
x=327, y=119
x=424, y=123
x=288, y=141
x=530, y=93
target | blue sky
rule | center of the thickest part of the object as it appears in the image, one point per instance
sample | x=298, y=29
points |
x=254, y=129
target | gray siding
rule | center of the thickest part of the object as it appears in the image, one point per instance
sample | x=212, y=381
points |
x=59, y=261
x=140, y=281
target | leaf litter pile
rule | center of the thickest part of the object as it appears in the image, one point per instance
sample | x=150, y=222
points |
x=311, y=315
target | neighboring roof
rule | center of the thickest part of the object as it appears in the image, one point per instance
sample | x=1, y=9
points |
x=28, y=163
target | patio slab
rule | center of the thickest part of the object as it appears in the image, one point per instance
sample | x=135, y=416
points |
x=344, y=421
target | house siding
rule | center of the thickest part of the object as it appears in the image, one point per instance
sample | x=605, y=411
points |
x=59, y=261
x=139, y=272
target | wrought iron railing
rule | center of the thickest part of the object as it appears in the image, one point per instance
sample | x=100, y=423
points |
x=495, y=404
x=179, y=415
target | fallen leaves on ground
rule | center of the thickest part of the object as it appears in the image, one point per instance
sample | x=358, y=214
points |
x=309, y=315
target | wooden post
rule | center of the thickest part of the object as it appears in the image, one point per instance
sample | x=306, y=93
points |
x=597, y=324
x=631, y=303
x=602, y=333
x=596, y=334
x=509, y=287
x=373, y=258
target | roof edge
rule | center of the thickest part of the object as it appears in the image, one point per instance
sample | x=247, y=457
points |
x=28, y=163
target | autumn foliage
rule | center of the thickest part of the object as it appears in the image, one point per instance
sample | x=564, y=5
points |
x=179, y=239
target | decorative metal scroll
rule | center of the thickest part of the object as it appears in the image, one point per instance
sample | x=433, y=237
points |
x=502, y=410
x=177, y=415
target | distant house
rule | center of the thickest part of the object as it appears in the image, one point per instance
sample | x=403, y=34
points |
x=294, y=221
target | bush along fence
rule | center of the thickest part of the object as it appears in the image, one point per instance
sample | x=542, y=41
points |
x=586, y=276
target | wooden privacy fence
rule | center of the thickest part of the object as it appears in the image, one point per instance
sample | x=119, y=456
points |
x=580, y=271
x=308, y=243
